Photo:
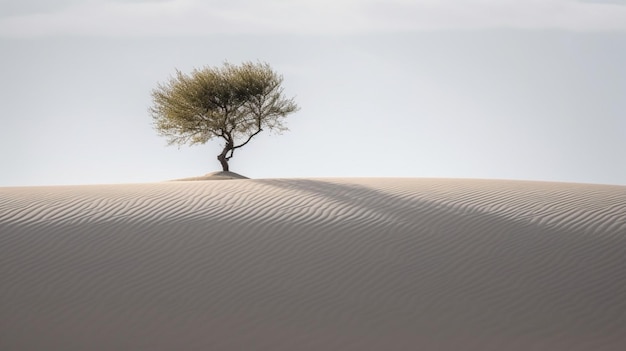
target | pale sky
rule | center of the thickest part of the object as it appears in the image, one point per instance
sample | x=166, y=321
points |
x=505, y=89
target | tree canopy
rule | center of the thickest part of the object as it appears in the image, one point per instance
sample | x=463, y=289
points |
x=232, y=102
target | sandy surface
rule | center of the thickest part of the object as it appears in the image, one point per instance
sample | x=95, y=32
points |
x=220, y=175
x=314, y=264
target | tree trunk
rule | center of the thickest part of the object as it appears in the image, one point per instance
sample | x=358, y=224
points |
x=223, y=161
x=222, y=157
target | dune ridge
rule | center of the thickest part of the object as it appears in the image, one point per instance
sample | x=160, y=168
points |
x=314, y=264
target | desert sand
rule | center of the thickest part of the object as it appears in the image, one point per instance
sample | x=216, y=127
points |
x=314, y=264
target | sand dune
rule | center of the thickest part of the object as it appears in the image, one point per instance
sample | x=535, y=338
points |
x=314, y=264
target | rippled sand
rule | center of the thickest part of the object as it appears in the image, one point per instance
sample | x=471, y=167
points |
x=314, y=264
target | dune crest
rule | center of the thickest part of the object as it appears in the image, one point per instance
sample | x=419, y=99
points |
x=219, y=175
x=314, y=264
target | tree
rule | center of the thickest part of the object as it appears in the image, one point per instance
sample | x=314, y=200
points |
x=232, y=103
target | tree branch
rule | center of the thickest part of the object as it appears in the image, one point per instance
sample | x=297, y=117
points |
x=249, y=138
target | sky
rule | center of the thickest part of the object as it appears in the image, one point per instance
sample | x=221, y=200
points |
x=492, y=89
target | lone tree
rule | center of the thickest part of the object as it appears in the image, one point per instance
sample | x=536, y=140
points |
x=231, y=102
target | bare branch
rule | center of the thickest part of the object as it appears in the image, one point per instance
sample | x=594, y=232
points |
x=249, y=138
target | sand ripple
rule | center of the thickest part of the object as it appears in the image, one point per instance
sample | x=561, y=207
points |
x=314, y=264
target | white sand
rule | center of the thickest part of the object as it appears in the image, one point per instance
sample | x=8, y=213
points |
x=220, y=175
x=306, y=264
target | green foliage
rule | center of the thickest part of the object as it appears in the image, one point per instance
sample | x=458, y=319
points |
x=232, y=102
